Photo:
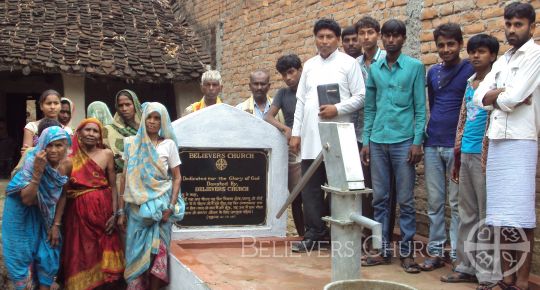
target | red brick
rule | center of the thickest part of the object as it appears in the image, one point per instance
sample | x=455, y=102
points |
x=428, y=59
x=484, y=3
x=495, y=24
x=445, y=9
x=463, y=5
x=435, y=2
x=426, y=24
x=428, y=13
x=470, y=16
x=474, y=28
x=426, y=36
x=492, y=12
x=400, y=2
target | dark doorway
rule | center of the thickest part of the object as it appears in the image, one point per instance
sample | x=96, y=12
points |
x=18, y=91
x=105, y=89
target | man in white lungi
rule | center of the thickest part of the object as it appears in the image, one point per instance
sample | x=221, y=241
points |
x=512, y=91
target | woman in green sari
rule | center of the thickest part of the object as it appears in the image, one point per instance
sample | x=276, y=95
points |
x=126, y=123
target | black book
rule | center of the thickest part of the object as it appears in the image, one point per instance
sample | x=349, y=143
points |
x=328, y=94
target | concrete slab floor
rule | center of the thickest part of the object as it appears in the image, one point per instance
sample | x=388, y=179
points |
x=270, y=264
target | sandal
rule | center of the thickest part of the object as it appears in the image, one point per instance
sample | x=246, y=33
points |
x=375, y=261
x=409, y=266
x=431, y=264
x=458, y=277
x=487, y=285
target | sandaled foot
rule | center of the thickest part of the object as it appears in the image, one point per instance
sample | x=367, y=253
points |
x=409, y=266
x=486, y=285
x=458, y=277
x=431, y=264
x=375, y=261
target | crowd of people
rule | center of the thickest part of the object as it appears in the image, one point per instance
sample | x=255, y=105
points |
x=94, y=206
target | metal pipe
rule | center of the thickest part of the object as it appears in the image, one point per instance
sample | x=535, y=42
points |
x=376, y=228
x=301, y=183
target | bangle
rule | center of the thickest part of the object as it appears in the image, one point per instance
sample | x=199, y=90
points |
x=171, y=206
x=58, y=224
x=34, y=181
x=119, y=212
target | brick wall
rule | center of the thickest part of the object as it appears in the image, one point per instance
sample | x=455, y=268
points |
x=256, y=33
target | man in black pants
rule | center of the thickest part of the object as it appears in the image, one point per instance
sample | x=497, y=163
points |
x=330, y=66
x=290, y=68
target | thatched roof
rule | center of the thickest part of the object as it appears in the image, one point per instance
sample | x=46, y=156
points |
x=130, y=39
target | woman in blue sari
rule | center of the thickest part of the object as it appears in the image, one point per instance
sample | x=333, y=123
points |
x=30, y=230
x=151, y=193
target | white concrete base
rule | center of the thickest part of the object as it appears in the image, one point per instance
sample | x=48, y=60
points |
x=182, y=278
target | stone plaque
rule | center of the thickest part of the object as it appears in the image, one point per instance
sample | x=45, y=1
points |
x=234, y=169
x=225, y=187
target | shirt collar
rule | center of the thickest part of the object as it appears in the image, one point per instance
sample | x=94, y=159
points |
x=525, y=47
x=399, y=60
x=471, y=79
x=376, y=56
x=331, y=56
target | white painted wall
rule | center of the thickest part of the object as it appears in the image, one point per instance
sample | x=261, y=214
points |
x=74, y=90
x=186, y=94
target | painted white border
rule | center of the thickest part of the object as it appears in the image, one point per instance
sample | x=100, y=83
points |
x=223, y=126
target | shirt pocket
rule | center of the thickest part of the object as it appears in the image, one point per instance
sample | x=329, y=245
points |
x=400, y=93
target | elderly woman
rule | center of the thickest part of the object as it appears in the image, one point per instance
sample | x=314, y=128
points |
x=32, y=220
x=126, y=123
x=151, y=191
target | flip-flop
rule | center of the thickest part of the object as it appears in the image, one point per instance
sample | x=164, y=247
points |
x=410, y=267
x=375, y=261
x=458, y=277
x=431, y=264
x=487, y=286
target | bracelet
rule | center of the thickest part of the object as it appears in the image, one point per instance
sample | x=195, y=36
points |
x=119, y=212
x=57, y=224
x=171, y=206
x=34, y=181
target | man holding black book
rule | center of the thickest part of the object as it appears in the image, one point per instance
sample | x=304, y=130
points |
x=343, y=79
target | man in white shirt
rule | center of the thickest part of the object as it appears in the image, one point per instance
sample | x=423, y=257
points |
x=512, y=91
x=328, y=67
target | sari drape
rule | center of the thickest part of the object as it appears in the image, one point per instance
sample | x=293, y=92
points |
x=90, y=257
x=148, y=193
x=115, y=133
x=28, y=256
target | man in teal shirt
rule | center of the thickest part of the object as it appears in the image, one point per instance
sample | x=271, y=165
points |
x=394, y=121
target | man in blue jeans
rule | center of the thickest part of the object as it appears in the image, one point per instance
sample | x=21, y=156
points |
x=394, y=120
x=446, y=84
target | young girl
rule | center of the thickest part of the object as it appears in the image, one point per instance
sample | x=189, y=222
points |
x=50, y=105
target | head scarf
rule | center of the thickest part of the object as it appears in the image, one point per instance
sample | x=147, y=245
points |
x=119, y=122
x=51, y=183
x=100, y=111
x=146, y=177
x=71, y=109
